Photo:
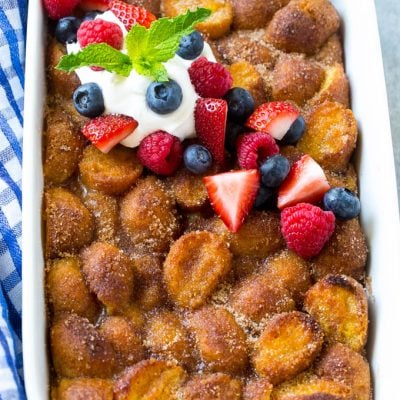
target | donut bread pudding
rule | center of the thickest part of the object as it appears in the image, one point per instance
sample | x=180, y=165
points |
x=208, y=247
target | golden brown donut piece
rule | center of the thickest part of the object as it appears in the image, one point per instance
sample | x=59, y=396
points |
x=257, y=297
x=78, y=349
x=84, y=389
x=303, y=26
x=216, y=386
x=150, y=291
x=111, y=173
x=67, y=291
x=125, y=338
x=295, y=78
x=257, y=389
x=63, y=148
x=148, y=215
x=243, y=266
x=245, y=46
x=188, y=190
x=310, y=387
x=253, y=14
x=287, y=346
x=344, y=365
x=196, y=264
x=104, y=209
x=220, y=341
x=335, y=87
x=150, y=380
x=331, y=52
x=60, y=82
x=339, y=304
x=109, y=274
x=247, y=77
x=292, y=153
x=330, y=136
x=259, y=236
x=347, y=179
x=290, y=271
x=167, y=338
x=215, y=26
x=345, y=253
x=69, y=224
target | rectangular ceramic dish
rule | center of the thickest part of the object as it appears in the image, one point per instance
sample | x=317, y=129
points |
x=380, y=213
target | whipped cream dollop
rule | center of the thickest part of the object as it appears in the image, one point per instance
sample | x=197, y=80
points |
x=127, y=95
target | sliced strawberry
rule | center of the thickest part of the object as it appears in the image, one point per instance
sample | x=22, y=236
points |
x=274, y=118
x=210, y=121
x=306, y=183
x=232, y=195
x=107, y=131
x=130, y=15
x=94, y=5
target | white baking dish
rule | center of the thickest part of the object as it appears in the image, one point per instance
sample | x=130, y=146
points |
x=380, y=214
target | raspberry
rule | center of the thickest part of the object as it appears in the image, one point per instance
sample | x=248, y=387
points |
x=210, y=79
x=130, y=15
x=254, y=148
x=161, y=153
x=306, y=228
x=100, y=31
x=57, y=9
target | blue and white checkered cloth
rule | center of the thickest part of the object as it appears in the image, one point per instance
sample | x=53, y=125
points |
x=13, y=15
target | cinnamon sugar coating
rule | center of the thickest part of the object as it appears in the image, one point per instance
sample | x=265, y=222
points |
x=148, y=215
x=67, y=291
x=216, y=386
x=303, y=26
x=78, y=349
x=109, y=274
x=63, y=148
x=69, y=224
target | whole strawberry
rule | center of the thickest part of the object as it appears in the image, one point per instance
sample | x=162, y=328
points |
x=210, y=79
x=57, y=9
x=306, y=228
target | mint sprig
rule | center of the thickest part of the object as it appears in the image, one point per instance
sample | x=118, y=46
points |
x=147, y=49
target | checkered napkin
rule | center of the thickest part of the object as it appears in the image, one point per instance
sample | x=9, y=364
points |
x=12, y=53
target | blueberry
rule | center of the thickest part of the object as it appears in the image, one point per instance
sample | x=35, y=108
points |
x=263, y=197
x=197, y=159
x=66, y=29
x=274, y=170
x=191, y=46
x=295, y=132
x=240, y=104
x=233, y=130
x=342, y=202
x=91, y=15
x=164, y=97
x=88, y=100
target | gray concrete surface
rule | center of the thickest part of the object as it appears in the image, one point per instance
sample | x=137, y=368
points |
x=389, y=26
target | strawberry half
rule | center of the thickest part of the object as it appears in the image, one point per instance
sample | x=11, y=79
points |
x=107, y=131
x=232, y=195
x=306, y=183
x=210, y=121
x=94, y=5
x=130, y=15
x=276, y=118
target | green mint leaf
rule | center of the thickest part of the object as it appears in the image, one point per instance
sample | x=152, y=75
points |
x=100, y=55
x=147, y=48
